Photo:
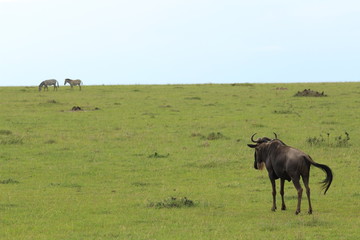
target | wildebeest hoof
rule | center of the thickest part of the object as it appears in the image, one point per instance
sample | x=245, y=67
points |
x=273, y=209
x=283, y=208
x=297, y=212
x=310, y=211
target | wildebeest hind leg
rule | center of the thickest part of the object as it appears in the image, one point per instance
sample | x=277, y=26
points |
x=282, y=183
x=273, y=194
x=299, y=189
x=306, y=184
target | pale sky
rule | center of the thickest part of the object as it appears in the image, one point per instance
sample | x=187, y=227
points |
x=179, y=41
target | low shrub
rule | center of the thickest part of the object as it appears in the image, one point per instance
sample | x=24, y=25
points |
x=338, y=141
x=211, y=136
x=157, y=155
x=9, y=181
x=172, y=202
x=5, y=132
x=215, y=136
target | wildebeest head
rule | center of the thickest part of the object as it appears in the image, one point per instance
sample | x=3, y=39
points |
x=260, y=146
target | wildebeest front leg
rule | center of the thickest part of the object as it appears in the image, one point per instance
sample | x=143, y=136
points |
x=299, y=189
x=273, y=194
x=282, y=183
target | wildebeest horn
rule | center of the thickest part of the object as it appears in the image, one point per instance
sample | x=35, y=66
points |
x=252, y=138
x=275, y=135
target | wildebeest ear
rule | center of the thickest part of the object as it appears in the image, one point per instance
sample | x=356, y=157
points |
x=252, y=145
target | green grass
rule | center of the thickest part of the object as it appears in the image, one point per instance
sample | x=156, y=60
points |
x=99, y=173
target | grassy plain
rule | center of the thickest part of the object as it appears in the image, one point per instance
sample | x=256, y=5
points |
x=97, y=173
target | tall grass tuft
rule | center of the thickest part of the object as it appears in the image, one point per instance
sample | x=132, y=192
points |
x=11, y=140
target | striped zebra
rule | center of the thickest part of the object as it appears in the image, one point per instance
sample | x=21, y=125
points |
x=50, y=82
x=73, y=83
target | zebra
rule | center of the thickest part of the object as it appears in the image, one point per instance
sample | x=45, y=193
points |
x=47, y=83
x=73, y=83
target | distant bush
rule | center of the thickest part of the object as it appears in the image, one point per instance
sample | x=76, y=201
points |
x=242, y=84
x=172, y=202
x=193, y=98
x=51, y=141
x=211, y=136
x=140, y=184
x=290, y=110
x=9, y=181
x=215, y=136
x=287, y=111
x=315, y=141
x=341, y=141
x=157, y=155
x=5, y=132
x=338, y=141
x=309, y=93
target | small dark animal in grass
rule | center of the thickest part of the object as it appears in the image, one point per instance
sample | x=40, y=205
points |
x=286, y=163
x=50, y=82
x=73, y=83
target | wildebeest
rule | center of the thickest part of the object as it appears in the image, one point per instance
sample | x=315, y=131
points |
x=73, y=83
x=286, y=163
x=50, y=82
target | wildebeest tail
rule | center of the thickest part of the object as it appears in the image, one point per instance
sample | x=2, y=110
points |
x=329, y=175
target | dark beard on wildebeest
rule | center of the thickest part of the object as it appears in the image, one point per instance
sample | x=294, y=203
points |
x=286, y=163
x=260, y=166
